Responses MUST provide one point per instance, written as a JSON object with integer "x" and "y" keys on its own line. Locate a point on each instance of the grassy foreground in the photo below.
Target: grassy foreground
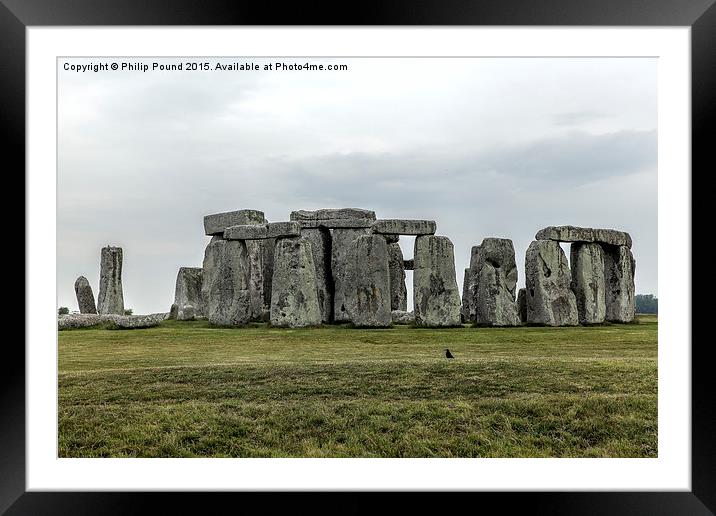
{"x": 185, "y": 389}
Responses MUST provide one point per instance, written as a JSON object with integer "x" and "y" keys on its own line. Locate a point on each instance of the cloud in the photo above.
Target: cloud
{"x": 497, "y": 147}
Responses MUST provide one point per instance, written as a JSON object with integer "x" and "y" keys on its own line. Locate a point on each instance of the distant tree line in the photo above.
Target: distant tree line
{"x": 646, "y": 304}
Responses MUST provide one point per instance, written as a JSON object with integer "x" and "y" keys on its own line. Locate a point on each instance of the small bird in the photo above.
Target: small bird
{"x": 448, "y": 354}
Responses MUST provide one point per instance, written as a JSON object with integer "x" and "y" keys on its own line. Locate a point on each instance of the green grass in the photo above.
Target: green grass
{"x": 184, "y": 389}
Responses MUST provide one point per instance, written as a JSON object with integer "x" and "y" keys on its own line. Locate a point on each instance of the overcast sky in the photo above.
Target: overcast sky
{"x": 496, "y": 147}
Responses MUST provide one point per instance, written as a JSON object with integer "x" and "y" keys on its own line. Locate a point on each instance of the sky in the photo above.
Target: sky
{"x": 486, "y": 147}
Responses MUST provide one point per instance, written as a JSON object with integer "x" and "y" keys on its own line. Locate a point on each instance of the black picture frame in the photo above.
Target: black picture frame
{"x": 700, "y": 15}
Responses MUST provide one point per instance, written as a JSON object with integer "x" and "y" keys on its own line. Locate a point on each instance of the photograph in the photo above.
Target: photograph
{"x": 357, "y": 257}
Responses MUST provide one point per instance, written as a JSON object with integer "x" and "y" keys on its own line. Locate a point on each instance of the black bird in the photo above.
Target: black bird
{"x": 448, "y": 354}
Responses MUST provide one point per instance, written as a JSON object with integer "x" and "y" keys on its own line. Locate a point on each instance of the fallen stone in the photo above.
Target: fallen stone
{"x": 294, "y": 300}
{"x": 85, "y": 296}
{"x": 320, "y": 241}
{"x": 130, "y": 322}
{"x": 619, "y": 268}
{"x": 550, "y": 300}
{"x": 404, "y": 227}
{"x": 587, "y": 264}
{"x": 402, "y": 317}
{"x": 578, "y": 234}
{"x": 111, "y": 298}
{"x": 398, "y": 291}
{"x": 437, "y": 300}
{"x": 225, "y": 286}
{"x": 341, "y": 265}
{"x": 187, "y": 292}
{"x": 369, "y": 282}
{"x": 495, "y": 279}
{"x": 72, "y": 321}
{"x": 217, "y": 223}
{"x": 522, "y": 304}
{"x": 263, "y": 231}
{"x": 408, "y": 265}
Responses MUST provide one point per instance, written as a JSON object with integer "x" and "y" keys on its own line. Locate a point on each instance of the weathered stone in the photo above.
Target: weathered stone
{"x": 225, "y": 286}
{"x": 217, "y": 223}
{"x": 435, "y": 292}
{"x": 392, "y": 239}
{"x": 85, "y": 296}
{"x": 408, "y": 265}
{"x": 340, "y": 218}
{"x": 341, "y": 265}
{"x": 72, "y": 321}
{"x": 320, "y": 240}
{"x": 332, "y": 213}
{"x": 134, "y": 321}
{"x": 259, "y": 248}
{"x": 522, "y": 304}
{"x": 260, "y": 253}
{"x": 466, "y": 298}
{"x": 294, "y": 300}
{"x": 587, "y": 264}
{"x": 263, "y": 231}
{"x": 369, "y": 282}
{"x": 173, "y": 311}
{"x": 398, "y": 292}
{"x": 578, "y": 234}
{"x": 187, "y": 292}
{"x": 402, "y": 317}
{"x": 550, "y": 300}
{"x": 469, "y": 288}
{"x": 335, "y": 223}
{"x": 496, "y": 279}
{"x": 111, "y": 299}
{"x": 404, "y": 227}
{"x": 619, "y": 268}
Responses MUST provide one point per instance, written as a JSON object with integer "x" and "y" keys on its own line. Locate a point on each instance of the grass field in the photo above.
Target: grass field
{"x": 185, "y": 389}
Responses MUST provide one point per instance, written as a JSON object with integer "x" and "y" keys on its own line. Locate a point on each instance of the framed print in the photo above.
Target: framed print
{"x": 280, "y": 211}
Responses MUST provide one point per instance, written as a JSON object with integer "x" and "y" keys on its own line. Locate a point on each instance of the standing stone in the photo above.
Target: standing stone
{"x": 111, "y": 299}
{"x": 225, "y": 285}
{"x": 587, "y": 264}
{"x": 465, "y": 306}
{"x": 260, "y": 254}
{"x": 187, "y": 293}
{"x": 294, "y": 300}
{"x": 437, "y": 300}
{"x": 550, "y": 300}
{"x": 469, "y": 288}
{"x": 369, "y": 282}
{"x": 522, "y": 304}
{"x": 85, "y": 296}
{"x": 320, "y": 240}
{"x": 341, "y": 265}
{"x": 496, "y": 280}
{"x": 398, "y": 291}
{"x": 619, "y": 268}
